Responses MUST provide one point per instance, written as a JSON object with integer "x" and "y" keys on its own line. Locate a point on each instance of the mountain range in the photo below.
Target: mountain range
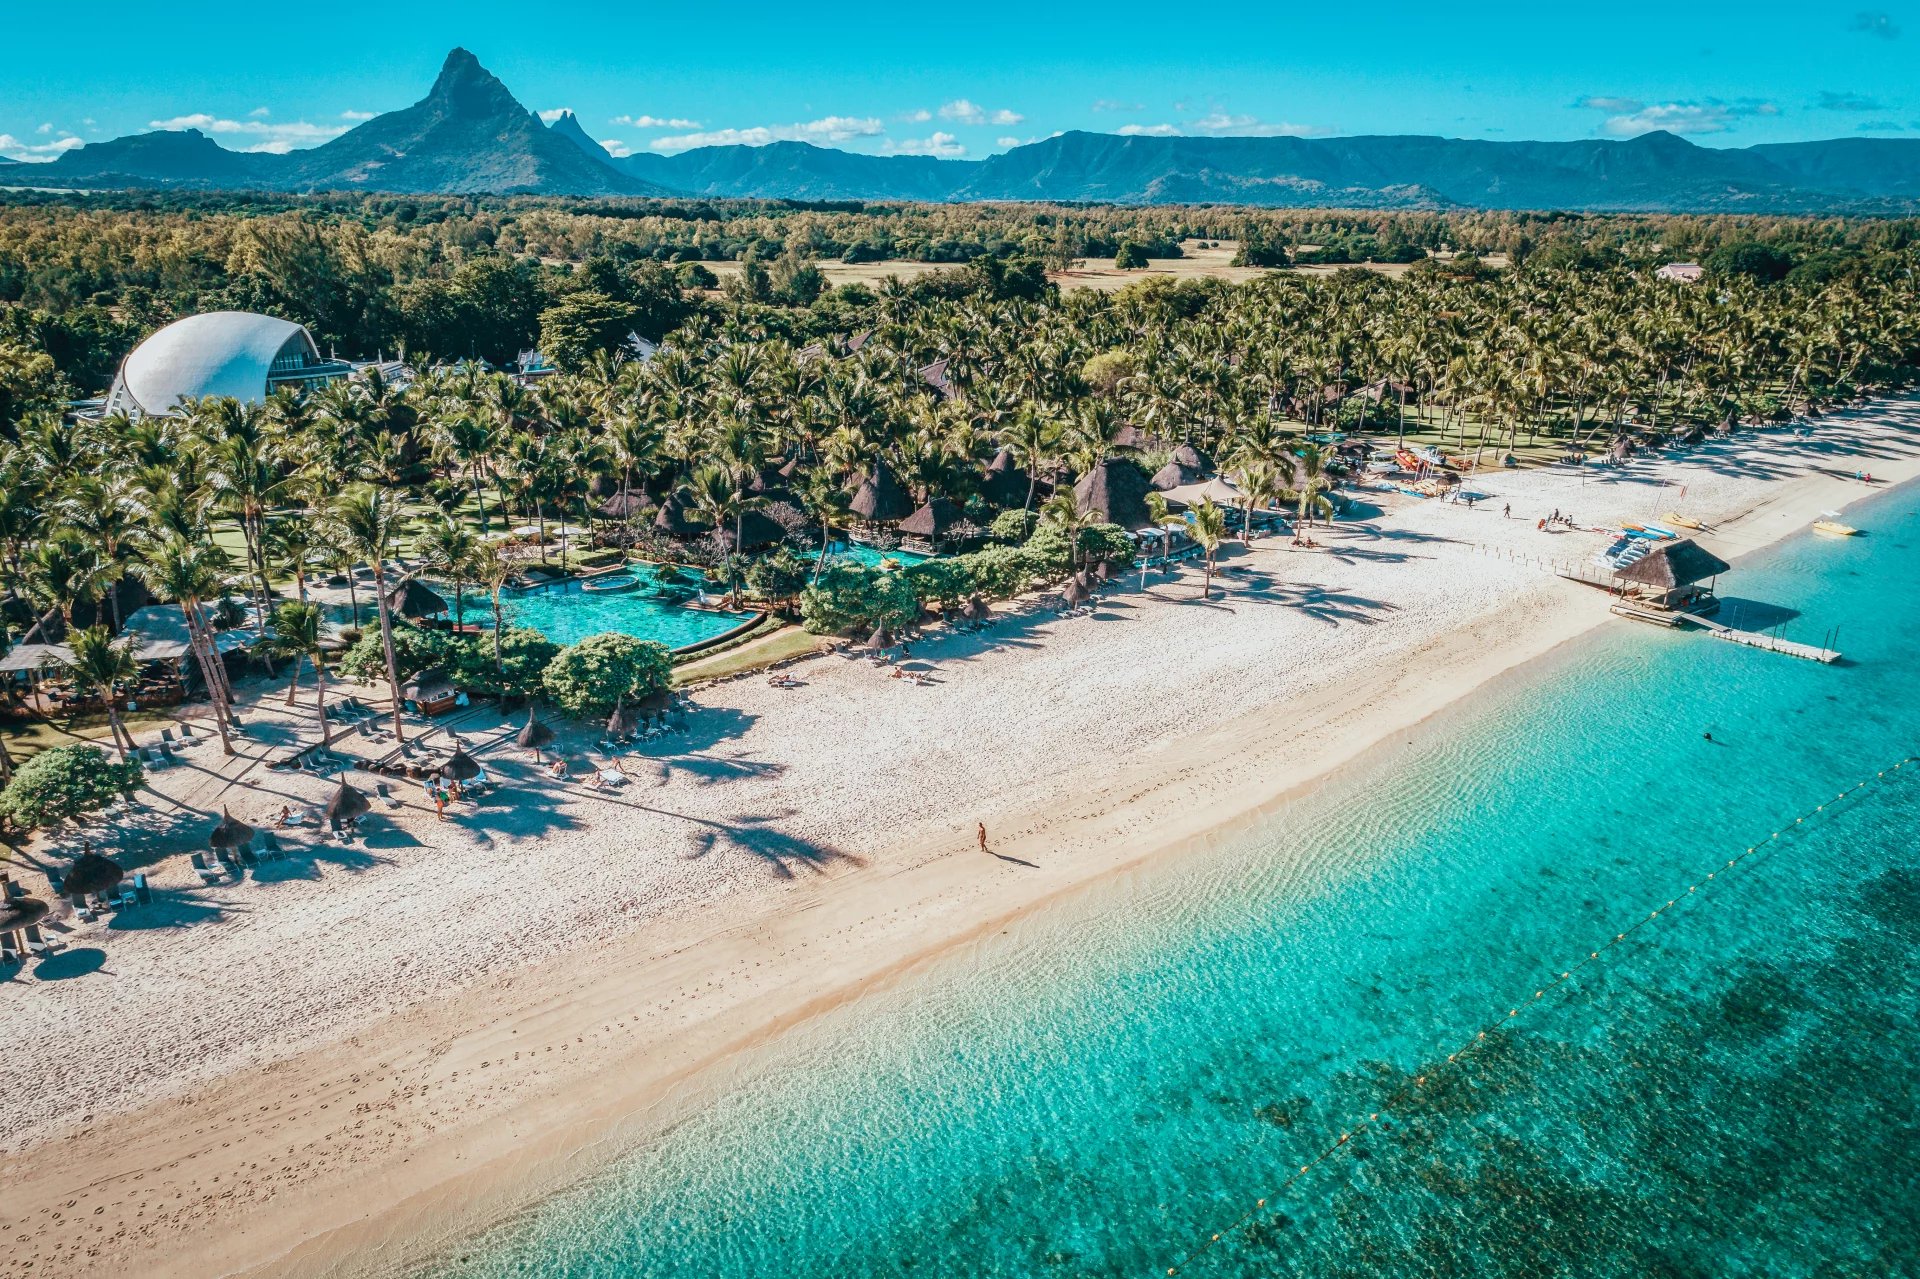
{"x": 469, "y": 135}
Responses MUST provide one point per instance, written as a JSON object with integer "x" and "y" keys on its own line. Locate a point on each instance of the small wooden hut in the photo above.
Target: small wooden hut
{"x": 1677, "y": 576}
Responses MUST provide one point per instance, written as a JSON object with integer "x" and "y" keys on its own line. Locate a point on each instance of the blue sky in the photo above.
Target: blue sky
{"x": 969, "y": 80}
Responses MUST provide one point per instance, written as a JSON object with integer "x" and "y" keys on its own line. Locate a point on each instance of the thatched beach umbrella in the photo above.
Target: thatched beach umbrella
{"x": 91, "y": 873}
{"x": 533, "y": 735}
{"x": 881, "y": 638}
{"x": 621, "y": 722}
{"x": 976, "y": 610}
{"x": 1103, "y": 570}
{"x": 657, "y": 702}
{"x": 230, "y": 833}
{"x": 1075, "y": 594}
{"x": 460, "y": 766}
{"x": 409, "y": 597}
{"x": 347, "y": 805}
{"x": 22, "y": 912}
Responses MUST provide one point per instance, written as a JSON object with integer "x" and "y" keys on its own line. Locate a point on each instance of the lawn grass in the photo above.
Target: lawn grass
{"x": 26, "y": 739}
{"x": 788, "y": 641}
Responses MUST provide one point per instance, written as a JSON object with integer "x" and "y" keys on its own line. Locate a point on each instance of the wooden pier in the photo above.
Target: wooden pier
{"x": 1757, "y": 639}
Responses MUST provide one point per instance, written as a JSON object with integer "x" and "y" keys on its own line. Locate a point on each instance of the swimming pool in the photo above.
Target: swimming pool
{"x": 567, "y": 612}
{"x": 853, "y": 553}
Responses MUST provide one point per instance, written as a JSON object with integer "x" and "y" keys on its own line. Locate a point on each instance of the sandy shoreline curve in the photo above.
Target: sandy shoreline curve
{"x": 371, "y": 1151}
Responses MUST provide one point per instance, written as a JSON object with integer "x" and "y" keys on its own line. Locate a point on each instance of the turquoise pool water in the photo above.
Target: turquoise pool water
{"x": 568, "y": 612}
{"x": 872, "y": 557}
{"x": 1099, "y": 1089}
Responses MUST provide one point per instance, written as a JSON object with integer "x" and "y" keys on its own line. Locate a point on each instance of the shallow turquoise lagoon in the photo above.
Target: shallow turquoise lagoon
{"x": 1103, "y": 1087}
{"x": 568, "y": 612}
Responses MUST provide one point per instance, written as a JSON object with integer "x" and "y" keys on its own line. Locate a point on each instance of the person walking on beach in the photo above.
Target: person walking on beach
{"x": 440, "y": 803}
{"x": 1506, "y": 512}
{"x": 981, "y": 831}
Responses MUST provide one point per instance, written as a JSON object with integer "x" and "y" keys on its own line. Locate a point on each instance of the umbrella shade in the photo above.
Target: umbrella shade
{"x": 533, "y": 735}
{"x": 92, "y": 873}
{"x": 461, "y": 766}
{"x": 20, "y": 912}
{"x": 346, "y": 805}
{"x": 230, "y": 833}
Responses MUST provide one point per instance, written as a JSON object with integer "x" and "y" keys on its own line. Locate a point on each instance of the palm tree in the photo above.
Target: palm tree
{"x": 190, "y": 574}
{"x": 369, "y": 521}
{"x": 716, "y": 498}
{"x": 1310, "y": 462}
{"x": 492, "y": 570}
{"x": 1209, "y": 528}
{"x": 297, "y": 631}
{"x": 100, "y": 666}
{"x": 446, "y": 548}
{"x": 1260, "y": 487}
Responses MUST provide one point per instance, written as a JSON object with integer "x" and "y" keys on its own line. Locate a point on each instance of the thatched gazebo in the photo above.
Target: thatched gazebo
{"x": 1671, "y": 575}
{"x": 623, "y": 506}
{"x": 934, "y": 523}
{"x": 347, "y": 805}
{"x": 230, "y": 833}
{"x": 533, "y": 735}
{"x": 91, "y": 873}
{"x": 410, "y": 597}
{"x": 755, "y": 530}
{"x": 431, "y": 691}
{"x": 880, "y": 499}
{"x": 1116, "y": 491}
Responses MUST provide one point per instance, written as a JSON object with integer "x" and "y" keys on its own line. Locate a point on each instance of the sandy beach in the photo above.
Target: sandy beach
{"x": 335, "y": 1066}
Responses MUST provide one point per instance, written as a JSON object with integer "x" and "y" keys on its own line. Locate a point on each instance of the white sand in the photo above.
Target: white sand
{"x": 779, "y": 802}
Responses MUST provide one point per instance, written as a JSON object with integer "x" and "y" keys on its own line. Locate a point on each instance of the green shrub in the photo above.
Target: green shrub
{"x": 589, "y": 677}
{"x": 524, "y": 657}
{"x": 853, "y": 595}
{"x": 65, "y": 781}
{"x": 415, "y": 649}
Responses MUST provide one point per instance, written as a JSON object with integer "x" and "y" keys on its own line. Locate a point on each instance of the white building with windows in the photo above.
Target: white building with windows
{"x": 231, "y": 353}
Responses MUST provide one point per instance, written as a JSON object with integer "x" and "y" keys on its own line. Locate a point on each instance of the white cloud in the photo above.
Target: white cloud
{"x": 1006, "y": 142}
{"x": 357, "y": 115}
{"x": 45, "y": 129}
{"x": 616, "y": 148}
{"x": 1149, "y": 130}
{"x": 654, "y": 122}
{"x": 275, "y": 138}
{"x": 1218, "y": 122}
{"x": 553, "y": 113}
{"x": 1114, "y": 104}
{"x": 1005, "y": 117}
{"x": 833, "y": 128}
{"x": 944, "y": 145}
{"x": 1630, "y": 117}
{"x": 258, "y": 113}
{"x": 961, "y": 111}
{"x": 37, "y": 152}
{"x": 917, "y": 117}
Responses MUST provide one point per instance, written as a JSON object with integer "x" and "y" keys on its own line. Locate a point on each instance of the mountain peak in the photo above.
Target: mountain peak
{"x": 567, "y": 125}
{"x": 466, "y": 88}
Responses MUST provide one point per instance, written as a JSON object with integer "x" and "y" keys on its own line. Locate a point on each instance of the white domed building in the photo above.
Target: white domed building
{"x": 232, "y": 353}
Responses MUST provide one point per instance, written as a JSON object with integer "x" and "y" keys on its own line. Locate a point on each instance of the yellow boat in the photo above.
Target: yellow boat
{"x": 1683, "y": 521}
{"x": 1831, "y": 526}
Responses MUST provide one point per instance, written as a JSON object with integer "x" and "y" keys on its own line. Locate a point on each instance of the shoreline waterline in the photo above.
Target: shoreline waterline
{"x": 885, "y": 926}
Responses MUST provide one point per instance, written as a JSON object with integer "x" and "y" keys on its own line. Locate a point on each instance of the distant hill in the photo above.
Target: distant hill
{"x": 469, "y": 135}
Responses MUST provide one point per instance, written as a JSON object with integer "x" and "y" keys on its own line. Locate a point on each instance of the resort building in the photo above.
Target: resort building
{"x": 231, "y": 353}
{"x": 1682, "y": 272}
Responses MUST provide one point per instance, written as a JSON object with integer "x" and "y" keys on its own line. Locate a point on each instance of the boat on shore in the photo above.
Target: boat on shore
{"x": 1682, "y": 521}
{"x": 1830, "y": 524}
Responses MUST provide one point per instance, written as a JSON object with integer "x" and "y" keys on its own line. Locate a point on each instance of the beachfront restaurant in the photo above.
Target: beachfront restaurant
{"x": 1678, "y": 577}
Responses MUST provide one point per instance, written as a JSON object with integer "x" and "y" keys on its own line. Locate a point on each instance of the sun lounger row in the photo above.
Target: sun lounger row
{"x": 16, "y": 944}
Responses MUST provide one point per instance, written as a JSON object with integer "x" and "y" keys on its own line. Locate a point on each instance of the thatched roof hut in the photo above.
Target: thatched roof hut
{"x": 623, "y": 506}
{"x": 429, "y": 685}
{"x": 410, "y": 597}
{"x": 230, "y": 833}
{"x": 675, "y": 517}
{"x": 1172, "y": 476}
{"x": 1192, "y": 458}
{"x": 935, "y": 520}
{"x": 756, "y": 531}
{"x": 1116, "y": 491}
{"x": 1006, "y": 482}
{"x": 880, "y": 499}
{"x": 1671, "y": 574}
{"x": 346, "y": 805}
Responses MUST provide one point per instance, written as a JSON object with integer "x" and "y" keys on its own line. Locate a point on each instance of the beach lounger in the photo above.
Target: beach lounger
{"x": 36, "y": 943}
{"x": 9, "y": 949}
{"x": 142, "y": 891}
{"x": 270, "y": 849}
{"x": 166, "y": 735}
{"x": 145, "y": 756}
{"x": 207, "y": 873}
{"x": 84, "y": 909}
{"x": 14, "y": 890}
{"x": 247, "y": 859}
